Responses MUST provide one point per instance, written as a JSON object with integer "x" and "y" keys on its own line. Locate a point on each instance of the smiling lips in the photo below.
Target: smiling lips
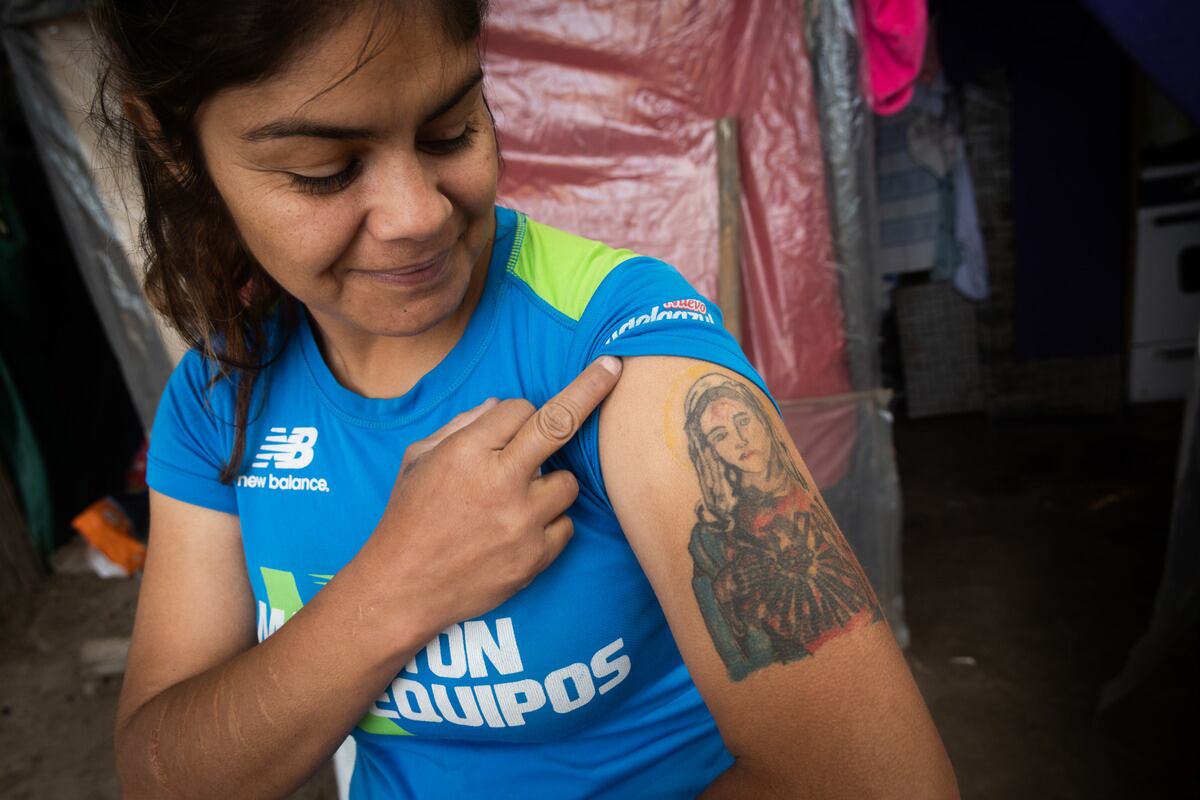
{"x": 413, "y": 274}
{"x": 747, "y": 454}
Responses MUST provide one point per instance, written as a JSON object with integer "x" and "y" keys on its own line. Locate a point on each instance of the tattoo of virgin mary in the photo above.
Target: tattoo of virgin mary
{"x": 774, "y": 578}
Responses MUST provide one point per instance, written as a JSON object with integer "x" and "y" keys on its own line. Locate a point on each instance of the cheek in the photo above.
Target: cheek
{"x": 291, "y": 234}
{"x": 470, "y": 181}
{"x": 727, "y": 450}
{"x": 757, "y": 436}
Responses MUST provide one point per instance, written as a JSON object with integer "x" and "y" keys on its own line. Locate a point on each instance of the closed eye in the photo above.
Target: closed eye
{"x": 327, "y": 184}
{"x": 445, "y": 147}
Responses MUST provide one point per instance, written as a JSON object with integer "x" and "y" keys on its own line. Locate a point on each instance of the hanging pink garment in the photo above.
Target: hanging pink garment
{"x": 605, "y": 113}
{"x": 892, "y": 35}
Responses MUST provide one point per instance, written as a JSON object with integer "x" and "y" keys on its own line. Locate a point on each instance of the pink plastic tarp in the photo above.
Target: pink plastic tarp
{"x": 606, "y": 115}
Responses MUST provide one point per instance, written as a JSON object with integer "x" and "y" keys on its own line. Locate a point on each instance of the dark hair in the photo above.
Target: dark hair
{"x": 165, "y": 58}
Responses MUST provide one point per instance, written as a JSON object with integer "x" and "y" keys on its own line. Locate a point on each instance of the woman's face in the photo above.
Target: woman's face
{"x": 371, "y": 199}
{"x": 737, "y": 434}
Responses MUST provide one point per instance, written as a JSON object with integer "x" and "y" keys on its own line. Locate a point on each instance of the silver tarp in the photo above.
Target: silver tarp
{"x": 868, "y": 500}
{"x": 53, "y": 73}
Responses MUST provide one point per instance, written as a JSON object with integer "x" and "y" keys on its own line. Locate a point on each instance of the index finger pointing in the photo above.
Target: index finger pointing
{"x": 560, "y": 418}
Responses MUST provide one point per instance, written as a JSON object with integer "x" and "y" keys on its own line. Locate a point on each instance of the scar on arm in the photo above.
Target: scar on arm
{"x": 156, "y": 766}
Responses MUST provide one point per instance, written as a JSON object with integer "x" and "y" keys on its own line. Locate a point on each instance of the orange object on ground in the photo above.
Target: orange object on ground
{"x": 107, "y": 528}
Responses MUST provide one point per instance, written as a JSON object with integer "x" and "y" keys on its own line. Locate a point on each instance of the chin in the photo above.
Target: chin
{"x": 365, "y": 307}
{"x": 411, "y": 320}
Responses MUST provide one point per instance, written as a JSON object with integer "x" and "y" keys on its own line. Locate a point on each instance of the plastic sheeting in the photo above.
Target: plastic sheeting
{"x": 55, "y": 74}
{"x": 868, "y": 499}
{"x": 606, "y": 115}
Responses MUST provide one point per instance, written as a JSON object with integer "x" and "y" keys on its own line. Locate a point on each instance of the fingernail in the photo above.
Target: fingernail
{"x": 610, "y": 363}
{"x": 491, "y": 401}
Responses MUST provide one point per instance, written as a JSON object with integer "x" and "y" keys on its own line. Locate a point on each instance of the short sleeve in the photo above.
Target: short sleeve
{"x": 644, "y": 307}
{"x": 191, "y": 438}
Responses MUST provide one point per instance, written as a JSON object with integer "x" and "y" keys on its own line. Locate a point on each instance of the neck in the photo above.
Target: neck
{"x": 381, "y": 366}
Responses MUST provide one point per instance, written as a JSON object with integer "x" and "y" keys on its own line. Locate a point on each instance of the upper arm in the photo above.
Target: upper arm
{"x": 195, "y": 606}
{"x": 774, "y": 617}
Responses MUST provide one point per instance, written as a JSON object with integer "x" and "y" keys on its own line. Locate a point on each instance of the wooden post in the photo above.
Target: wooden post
{"x": 729, "y": 197}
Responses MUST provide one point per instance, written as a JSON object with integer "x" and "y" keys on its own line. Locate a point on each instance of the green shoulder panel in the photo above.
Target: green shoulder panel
{"x": 563, "y": 269}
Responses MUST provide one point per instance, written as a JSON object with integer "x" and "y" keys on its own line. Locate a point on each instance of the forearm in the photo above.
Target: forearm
{"x": 261, "y": 723}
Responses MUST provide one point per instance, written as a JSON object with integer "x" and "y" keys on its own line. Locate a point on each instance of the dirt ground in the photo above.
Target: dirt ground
{"x": 1032, "y": 552}
{"x": 1034, "y": 549}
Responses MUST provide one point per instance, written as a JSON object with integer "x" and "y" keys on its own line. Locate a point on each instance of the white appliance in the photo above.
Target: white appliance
{"x": 1166, "y": 290}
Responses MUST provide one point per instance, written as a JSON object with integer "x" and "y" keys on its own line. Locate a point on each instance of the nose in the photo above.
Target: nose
{"x": 406, "y": 202}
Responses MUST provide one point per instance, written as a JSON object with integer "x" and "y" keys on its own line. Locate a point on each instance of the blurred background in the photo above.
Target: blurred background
{"x": 960, "y": 240}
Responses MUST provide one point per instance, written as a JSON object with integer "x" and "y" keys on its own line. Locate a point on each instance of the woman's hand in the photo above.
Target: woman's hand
{"x": 470, "y": 520}
{"x": 205, "y": 714}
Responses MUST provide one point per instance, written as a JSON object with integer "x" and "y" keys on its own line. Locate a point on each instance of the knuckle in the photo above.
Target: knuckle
{"x": 570, "y": 484}
{"x": 510, "y": 473}
{"x": 454, "y": 446}
{"x": 519, "y": 405}
{"x": 459, "y": 420}
{"x": 557, "y": 420}
{"x": 523, "y": 566}
{"x": 511, "y": 525}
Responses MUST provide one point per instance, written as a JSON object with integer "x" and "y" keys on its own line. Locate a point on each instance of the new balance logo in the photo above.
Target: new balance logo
{"x": 287, "y": 451}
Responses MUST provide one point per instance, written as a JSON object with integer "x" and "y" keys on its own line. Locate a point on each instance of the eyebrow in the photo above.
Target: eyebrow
{"x": 285, "y": 128}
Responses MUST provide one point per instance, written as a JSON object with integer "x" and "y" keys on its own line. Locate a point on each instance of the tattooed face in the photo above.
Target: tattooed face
{"x": 737, "y": 435}
{"x": 732, "y": 445}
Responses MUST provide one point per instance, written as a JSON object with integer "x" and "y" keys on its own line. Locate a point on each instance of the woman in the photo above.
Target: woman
{"x": 321, "y": 226}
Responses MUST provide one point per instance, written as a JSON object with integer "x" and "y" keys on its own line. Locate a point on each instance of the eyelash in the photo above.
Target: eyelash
{"x": 330, "y": 184}
{"x": 327, "y": 184}
{"x": 445, "y": 147}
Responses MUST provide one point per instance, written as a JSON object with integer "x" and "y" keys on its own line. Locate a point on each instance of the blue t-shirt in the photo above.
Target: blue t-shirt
{"x": 574, "y": 687}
